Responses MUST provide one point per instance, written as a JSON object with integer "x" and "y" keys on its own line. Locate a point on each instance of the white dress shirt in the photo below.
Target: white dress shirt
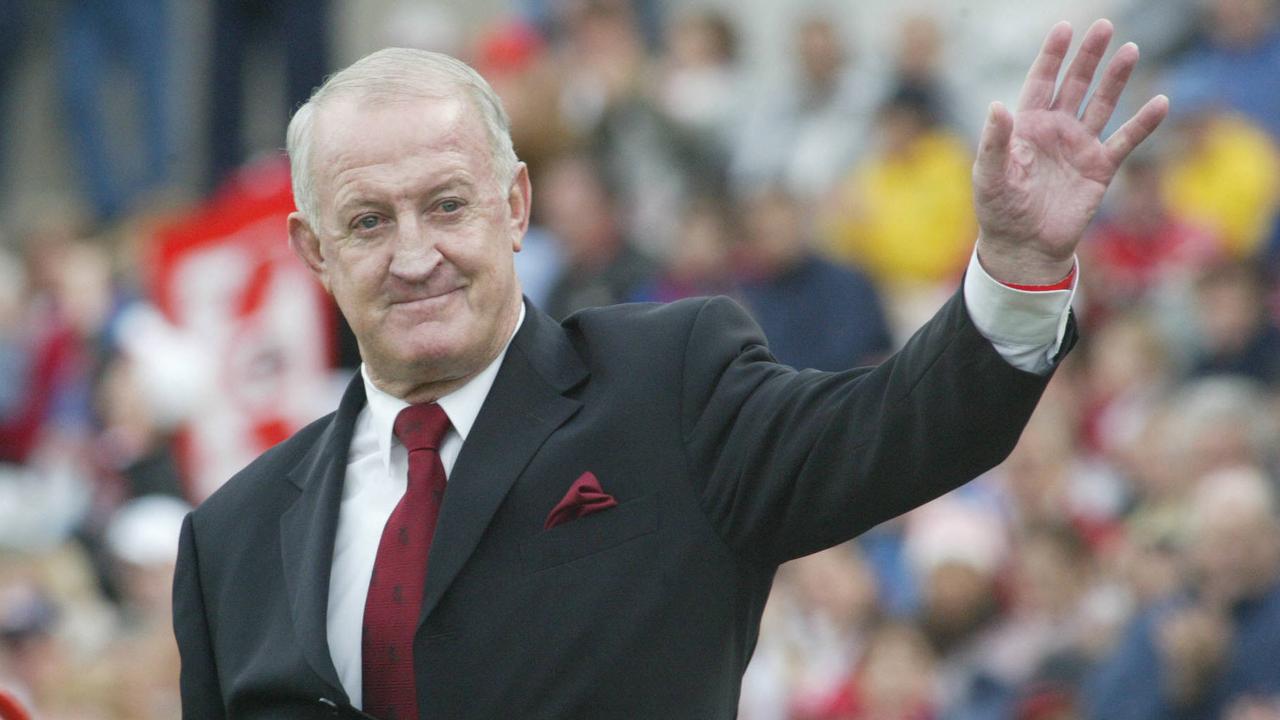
{"x": 377, "y": 475}
{"x": 1026, "y": 327}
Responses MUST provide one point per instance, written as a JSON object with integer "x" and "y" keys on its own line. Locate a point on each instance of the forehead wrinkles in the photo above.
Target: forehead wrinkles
{"x": 357, "y": 133}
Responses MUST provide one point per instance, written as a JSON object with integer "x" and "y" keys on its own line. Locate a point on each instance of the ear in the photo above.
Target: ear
{"x": 519, "y": 202}
{"x": 305, "y": 243}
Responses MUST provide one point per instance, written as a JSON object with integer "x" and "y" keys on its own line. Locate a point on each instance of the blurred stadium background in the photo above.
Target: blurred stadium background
{"x": 808, "y": 158}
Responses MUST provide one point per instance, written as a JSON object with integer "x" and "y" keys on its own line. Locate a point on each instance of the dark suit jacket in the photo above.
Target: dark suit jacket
{"x": 724, "y": 465}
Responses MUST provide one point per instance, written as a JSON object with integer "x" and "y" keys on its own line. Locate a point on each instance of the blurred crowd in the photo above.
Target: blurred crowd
{"x": 1124, "y": 562}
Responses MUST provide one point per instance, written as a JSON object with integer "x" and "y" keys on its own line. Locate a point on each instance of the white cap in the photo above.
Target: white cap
{"x": 145, "y": 530}
{"x": 954, "y": 531}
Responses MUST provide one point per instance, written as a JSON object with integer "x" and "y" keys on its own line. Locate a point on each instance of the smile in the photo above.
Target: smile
{"x": 428, "y": 303}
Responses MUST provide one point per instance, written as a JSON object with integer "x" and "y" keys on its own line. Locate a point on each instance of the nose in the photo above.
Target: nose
{"x": 414, "y": 254}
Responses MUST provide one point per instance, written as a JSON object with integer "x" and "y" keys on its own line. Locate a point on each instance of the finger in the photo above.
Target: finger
{"x": 1080, "y": 73}
{"x": 1042, "y": 78}
{"x": 1138, "y": 128}
{"x": 1098, "y": 112}
{"x": 993, "y": 147}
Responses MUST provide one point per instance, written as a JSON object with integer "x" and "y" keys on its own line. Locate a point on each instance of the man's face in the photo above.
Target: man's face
{"x": 576, "y": 208}
{"x": 414, "y": 236}
{"x": 775, "y": 232}
{"x": 1236, "y": 551}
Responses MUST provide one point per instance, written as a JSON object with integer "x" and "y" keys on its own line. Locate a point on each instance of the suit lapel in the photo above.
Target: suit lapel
{"x": 307, "y": 531}
{"x": 524, "y": 406}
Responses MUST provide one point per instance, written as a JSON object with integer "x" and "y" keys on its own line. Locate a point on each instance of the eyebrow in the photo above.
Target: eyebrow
{"x": 456, "y": 181}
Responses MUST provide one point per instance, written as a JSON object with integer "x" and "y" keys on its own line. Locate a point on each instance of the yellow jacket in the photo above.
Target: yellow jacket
{"x": 1228, "y": 183}
{"x": 908, "y": 218}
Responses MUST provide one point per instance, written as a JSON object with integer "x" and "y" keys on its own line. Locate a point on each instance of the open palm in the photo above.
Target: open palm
{"x": 1041, "y": 173}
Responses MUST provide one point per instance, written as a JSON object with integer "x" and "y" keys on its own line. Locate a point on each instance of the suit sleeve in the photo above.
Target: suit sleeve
{"x": 201, "y": 693}
{"x": 790, "y": 462}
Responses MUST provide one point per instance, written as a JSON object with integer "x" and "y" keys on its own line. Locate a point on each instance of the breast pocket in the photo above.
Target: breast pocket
{"x": 590, "y": 535}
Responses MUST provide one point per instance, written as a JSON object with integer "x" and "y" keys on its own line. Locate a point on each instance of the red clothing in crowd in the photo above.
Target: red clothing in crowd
{"x": 1125, "y": 263}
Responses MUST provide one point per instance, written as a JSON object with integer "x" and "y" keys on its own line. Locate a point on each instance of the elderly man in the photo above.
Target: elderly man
{"x": 1213, "y": 650}
{"x": 510, "y": 515}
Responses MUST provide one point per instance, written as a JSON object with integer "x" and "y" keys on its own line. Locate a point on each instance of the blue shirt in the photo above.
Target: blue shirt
{"x": 1246, "y": 80}
{"x": 820, "y": 315}
{"x": 1129, "y": 685}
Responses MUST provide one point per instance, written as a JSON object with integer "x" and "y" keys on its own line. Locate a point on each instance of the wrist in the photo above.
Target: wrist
{"x": 1066, "y": 283}
{"x": 1028, "y": 270}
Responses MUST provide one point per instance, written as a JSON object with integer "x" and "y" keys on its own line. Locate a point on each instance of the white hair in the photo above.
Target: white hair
{"x": 1223, "y": 402}
{"x": 1234, "y": 495}
{"x": 398, "y": 73}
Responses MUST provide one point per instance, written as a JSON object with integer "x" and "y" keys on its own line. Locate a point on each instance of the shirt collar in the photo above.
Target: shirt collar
{"x": 462, "y": 405}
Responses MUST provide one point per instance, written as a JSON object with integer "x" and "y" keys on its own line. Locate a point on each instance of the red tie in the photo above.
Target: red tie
{"x": 400, "y": 569}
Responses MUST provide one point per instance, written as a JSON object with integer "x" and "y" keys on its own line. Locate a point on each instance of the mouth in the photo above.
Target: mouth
{"x": 426, "y": 303}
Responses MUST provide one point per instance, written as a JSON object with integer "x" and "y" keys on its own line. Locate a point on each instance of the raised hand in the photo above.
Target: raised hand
{"x": 1041, "y": 173}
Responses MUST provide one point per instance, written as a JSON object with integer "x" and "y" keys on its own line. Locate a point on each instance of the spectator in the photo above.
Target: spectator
{"x": 31, "y": 353}
{"x": 607, "y": 101}
{"x": 1047, "y": 481}
{"x": 1210, "y": 425}
{"x": 600, "y": 265}
{"x": 1139, "y": 248}
{"x": 700, "y": 89}
{"x": 817, "y": 637}
{"x": 135, "y": 33}
{"x": 1129, "y": 371}
{"x": 295, "y": 29}
{"x": 1219, "y": 423}
{"x": 1218, "y": 642}
{"x": 957, "y": 549}
{"x": 552, "y": 16}
{"x": 133, "y": 448}
{"x": 1047, "y": 628}
{"x": 143, "y": 543}
{"x": 906, "y": 211}
{"x": 53, "y": 341}
{"x": 806, "y": 136}
{"x": 815, "y": 313}
{"x": 894, "y": 681}
{"x": 1237, "y": 334}
{"x": 700, "y": 261}
{"x": 1234, "y": 64}
{"x": 517, "y": 63}
{"x": 30, "y": 653}
{"x": 918, "y": 63}
{"x": 1225, "y": 178}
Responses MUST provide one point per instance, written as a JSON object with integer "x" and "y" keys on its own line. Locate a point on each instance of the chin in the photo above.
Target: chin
{"x": 441, "y": 356}
{"x": 449, "y": 348}
{"x": 431, "y": 354}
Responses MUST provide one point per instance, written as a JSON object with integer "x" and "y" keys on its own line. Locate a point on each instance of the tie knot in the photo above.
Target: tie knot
{"x": 421, "y": 427}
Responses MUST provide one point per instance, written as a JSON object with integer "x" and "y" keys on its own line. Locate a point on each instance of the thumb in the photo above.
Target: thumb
{"x": 993, "y": 148}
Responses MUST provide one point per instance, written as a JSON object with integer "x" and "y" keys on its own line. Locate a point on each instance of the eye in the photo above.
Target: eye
{"x": 368, "y": 222}
{"x": 450, "y": 206}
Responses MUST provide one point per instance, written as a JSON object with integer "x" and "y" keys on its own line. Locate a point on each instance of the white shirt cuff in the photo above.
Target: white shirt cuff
{"x": 1025, "y": 326}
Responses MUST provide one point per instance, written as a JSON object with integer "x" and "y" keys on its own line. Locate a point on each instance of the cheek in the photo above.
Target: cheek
{"x": 488, "y": 263}
{"x": 356, "y": 283}
{"x": 360, "y": 269}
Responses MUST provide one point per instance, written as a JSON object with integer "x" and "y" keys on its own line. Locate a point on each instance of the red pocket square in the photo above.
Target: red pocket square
{"x": 584, "y": 498}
